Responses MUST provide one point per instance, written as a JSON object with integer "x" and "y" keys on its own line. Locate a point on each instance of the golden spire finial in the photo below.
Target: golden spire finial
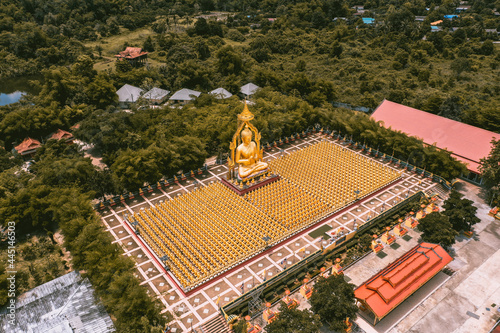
{"x": 246, "y": 115}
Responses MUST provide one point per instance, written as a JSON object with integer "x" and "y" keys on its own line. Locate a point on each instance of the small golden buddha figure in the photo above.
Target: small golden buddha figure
{"x": 247, "y": 156}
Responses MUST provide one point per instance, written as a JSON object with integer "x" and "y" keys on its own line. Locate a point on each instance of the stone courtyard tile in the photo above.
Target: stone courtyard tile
{"x": 344, "y": 218}
{"x": 129, "y": 244}
{"x": 260, "y": 264}
{"x": 120, "y": 232}
{"x": 161, "y": 284}
{"x": 112, "y": 221}
{"x": 197, "y": 299}
{"x": 172, "y": 297}
{"x": 236, "y": 278}
{"x": 217, "y": 289}
{"x": 187, "y": 321}
{"x": 372, "y": 203}
{"x": 278, "y": 258}
{"x": 297, "y": 244}
{"x": 149, "y": 269}
{"x": 139, "y": 256}
{"x": 206, "y": 310}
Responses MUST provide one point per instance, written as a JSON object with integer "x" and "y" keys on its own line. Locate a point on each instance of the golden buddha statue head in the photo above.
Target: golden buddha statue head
{"x": 246, "y": 135}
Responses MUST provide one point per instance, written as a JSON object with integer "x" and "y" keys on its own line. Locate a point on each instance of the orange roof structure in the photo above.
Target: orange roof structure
{"x": 28, "y": 146}
{"x": 395, "y": 283}
{"x": 62, "y": 135}
{"x": 131, "y": 53}
{"x": 467, "y": 143}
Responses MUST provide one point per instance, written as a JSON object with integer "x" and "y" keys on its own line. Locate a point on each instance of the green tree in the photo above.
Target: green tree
{"x": 333, "y": 300}
{"x": 460, "y": 65}
{"x": 436, "y": 228}
{"x": 460, "y": 211}
{"x": 294, "y": 321}
{"x": 133, "y": 168}
{"x": 490, "y": 171}
{"x": 228, "y": 61}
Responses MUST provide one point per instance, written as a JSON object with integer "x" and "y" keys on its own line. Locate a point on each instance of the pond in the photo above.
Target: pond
{"x": 11, "y": 89}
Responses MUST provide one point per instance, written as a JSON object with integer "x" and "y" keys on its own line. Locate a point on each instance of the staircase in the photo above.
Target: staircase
{"x": 439, "y": 190}
{"x": 216, "y": 325}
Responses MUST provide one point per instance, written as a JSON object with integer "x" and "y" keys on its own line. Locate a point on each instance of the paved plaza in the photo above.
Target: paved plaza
{"x": 199, "y": 306}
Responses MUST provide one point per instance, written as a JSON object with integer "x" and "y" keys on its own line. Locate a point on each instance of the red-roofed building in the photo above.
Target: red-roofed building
{"x": 63, "y": 135}
{"x": 134, "y": 55}
{"x": 391, "y": 286}
{"x": 467, "y": 143}
{"x": 28, "y": 147}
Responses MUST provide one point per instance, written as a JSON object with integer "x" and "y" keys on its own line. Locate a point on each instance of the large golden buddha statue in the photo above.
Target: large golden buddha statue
{"x": 248, "y": 157}
{"x": 245, "y": 152}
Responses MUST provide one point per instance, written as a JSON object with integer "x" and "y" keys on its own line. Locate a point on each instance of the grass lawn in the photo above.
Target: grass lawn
{"x": 320, "y": 232}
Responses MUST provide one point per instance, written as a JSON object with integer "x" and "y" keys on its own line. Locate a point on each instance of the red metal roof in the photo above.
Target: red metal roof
{"x": 395, "y": 283}
{"x": 467, "y": 143}
{"x": 131, "y": 53}
{"x": 27, "y": 145}
{"x": 61, "y": 134}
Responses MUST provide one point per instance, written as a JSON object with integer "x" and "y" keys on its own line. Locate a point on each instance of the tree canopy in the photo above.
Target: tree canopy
{"x": 437, "y": 228}
{"x": 333, "y": 300}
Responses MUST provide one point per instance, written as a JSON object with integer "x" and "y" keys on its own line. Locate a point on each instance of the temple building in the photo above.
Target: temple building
{"x": 383, "y": 292}
{"x": 63, "y": 135}
{"x": 467, "y": 143}
{"x": 134, "y": 55}
{"x": 27, "y": 148}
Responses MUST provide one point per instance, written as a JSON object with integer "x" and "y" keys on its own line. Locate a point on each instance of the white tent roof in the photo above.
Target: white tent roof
{"x": 129, "y": 93}
{"x": 156, "y": 93}
{"x": 221, "y": 93}
{"x": 249, "y": 89}
{"x": 184, "y": 95}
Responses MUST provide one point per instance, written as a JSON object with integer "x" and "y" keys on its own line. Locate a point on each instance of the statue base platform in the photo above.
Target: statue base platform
{"x": 242, "y": 190}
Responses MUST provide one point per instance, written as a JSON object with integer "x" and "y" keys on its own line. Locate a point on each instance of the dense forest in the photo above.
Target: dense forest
{"x": 304, "y": 54}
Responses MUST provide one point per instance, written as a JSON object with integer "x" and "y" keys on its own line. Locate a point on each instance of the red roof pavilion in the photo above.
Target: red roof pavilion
{"x": 467, "y": 143}
{"x": 62, "y": 135}
{"x": 391, "y": 286}
{"x": 132, "y": 53}
{"x": 27, "y": 147}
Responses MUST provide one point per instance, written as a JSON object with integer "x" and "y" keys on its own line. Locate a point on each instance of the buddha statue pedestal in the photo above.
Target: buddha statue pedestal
{"x": 243, "y": 187}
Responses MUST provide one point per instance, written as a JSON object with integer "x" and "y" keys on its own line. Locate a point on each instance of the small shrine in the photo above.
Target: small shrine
{"x": 269, "y": 315}
{"x": 387, "y": 237}
{"x": 411, "y": 222}
{"x": 291, "y": 303}
{"x": 252, "y": 328}
{"x": 247, "y": 169}
{"x": 306, "y": 290}
{"x": 399, "y": 230}
{"x": 337, "y": 269}
{"x": 376, "y": 244}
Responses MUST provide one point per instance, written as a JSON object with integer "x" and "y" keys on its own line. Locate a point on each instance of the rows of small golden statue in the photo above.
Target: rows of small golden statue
{"x": 410, "y": 221}
{"x": 333, "y": 173}
{"x": 206, "y": 231}
{"x": 306, "y": 290}
{"x": 287, "y": 204}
